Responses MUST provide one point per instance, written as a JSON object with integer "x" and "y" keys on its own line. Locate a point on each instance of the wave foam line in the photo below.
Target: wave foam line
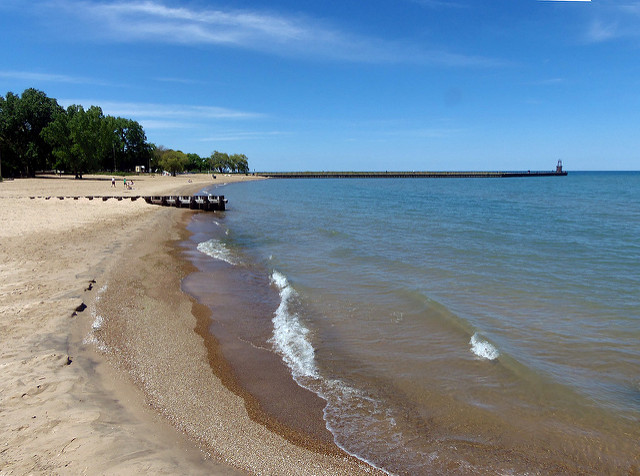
{"x": 290, "y": 335}
{"x": 217, "y": 249}
{"x": 290, "y": 338}
{"x": 98, "y": 322}
{"x": 482, "y": 348}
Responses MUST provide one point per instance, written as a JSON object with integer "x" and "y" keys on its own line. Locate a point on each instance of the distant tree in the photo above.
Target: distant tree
{"x": 80, "y": 139}
{"x": 196, "y": 163}
{"x": 157, "y": 151}
{"x": 58, "y": 135}
{"x": 239, "y": 163}
{"x": 219, "y": 161}
{"x": 128, "y": 145}
{"x": 131, "y": 143}
{"x": 222, "y": 162}
{"x": 173, "y": 161}
{"x": 76, "y": 139}
{"x": 22, "y": 120}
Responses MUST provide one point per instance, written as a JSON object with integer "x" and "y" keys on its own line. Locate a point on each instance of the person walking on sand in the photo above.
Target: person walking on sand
{"x": 125, "y": 182}
{"x": 113, "y": 181}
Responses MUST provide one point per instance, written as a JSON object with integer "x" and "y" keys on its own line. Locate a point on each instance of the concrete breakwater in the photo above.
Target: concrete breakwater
{"x": 299, "y": 175}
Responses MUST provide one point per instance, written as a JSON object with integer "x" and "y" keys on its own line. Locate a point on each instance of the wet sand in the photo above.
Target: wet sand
{"x": 238, "y": 306}
{"x": 68, "y": 408}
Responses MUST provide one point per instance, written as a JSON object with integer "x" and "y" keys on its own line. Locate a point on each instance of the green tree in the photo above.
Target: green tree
{"x": 173, "y": 161}
{"x": 80, "y": 139}
{"x": 196, "y": 163}
{"x": 22, "y": 120}
{"x": 156, "y": 152}
{"x": 131, "y": 143}
{"x": 57, "y": 134}
{"x": 219, "y": 161}
{"x": 239, "y": 163}
{"x": 128, "y": 145}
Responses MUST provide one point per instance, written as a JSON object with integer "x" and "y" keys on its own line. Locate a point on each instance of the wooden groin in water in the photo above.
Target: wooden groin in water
{"x": 208, "y": 203}
{"x": 194, "y": 202}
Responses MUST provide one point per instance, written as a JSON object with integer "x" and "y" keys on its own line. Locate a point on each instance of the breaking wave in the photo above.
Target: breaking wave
{"x": 218, "y": 250}
{"x": 290, "y": 336}
{"x": 482, "y": 348}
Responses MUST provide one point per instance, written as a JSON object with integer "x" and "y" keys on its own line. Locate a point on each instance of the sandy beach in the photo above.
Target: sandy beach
{"x": 76, "y": 274}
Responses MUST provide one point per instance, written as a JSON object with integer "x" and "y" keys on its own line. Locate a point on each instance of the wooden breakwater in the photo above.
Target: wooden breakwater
{"x": 193, "y": 202}
{"x": 342, "y": 175}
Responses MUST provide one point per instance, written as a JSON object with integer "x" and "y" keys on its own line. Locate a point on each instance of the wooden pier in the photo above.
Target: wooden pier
{"x": 207, "y": 203}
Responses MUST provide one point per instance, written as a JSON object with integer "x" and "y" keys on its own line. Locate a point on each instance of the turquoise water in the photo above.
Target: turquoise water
{"x": 455, "y": 325}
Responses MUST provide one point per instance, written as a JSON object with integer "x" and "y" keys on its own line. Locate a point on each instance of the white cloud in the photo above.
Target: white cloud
{"x": 152, "y": 110}
{"x": 152, "y": 124}
{"x": 180, "y": 80}
{"x": 230, "y": 136}
{"x": 286, "y": 35}
{"x": 614, "y": 21}
{"x": 548, "y": 82}
{"x": 599, "y": 32}
{"x": 48, "y": 78}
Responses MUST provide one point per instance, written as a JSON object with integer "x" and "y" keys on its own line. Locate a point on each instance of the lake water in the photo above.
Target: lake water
{"x": 451, "y": 325}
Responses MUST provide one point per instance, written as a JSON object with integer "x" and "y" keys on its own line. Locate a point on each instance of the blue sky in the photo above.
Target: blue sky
{"x": 347, "y": 85}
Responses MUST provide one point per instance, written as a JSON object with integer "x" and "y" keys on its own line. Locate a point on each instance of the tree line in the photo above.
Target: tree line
{"x": 177, "y": 161}
{"x": 38, "y": 134}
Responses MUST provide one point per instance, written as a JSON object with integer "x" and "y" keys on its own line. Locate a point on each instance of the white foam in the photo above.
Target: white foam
{"x": 290, "y": 336}
{"x": 91, "y": 339}
{"x": 217, "y": 250}
{"x": 96, "y": 325}
{"x": 97, "y": 322}
{"x": 345, "y": 404}
{"x": 482, "y": 348}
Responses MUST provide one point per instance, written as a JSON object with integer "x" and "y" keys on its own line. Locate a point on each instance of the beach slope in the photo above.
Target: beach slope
{"x": 68, "y": 406}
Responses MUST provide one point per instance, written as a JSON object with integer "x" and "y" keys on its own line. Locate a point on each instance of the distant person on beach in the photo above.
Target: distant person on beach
{"x": 113, "y": 181}
{"x": 125, "y": 182}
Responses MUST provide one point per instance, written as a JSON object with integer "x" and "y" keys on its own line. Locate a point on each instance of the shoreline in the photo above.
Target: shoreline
{"x": 65, "y": 409}
{"x": 234, "y": 307}
{"x": 173, "y": 365}
{"x": 255, "y": 406}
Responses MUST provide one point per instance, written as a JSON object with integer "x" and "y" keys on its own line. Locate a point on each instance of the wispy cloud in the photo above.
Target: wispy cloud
{"x": 611, "y": 21}
{"x": 548, "y": 82}
{"x": 599, "y": 31}
{"x": 49, "y": 78}
{"x": 231, "y": 136}
{"x": 157, "y": 125}
{"x": 152, "y": 110}
{"x": 179, "y": 80}
{"x": 274, "y": 33}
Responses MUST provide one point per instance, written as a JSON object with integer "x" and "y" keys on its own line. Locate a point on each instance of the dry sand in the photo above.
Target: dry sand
{"x": 67, "y": 407}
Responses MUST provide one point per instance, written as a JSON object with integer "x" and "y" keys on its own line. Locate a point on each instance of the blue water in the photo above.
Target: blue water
{"x": 456, "y": 325}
